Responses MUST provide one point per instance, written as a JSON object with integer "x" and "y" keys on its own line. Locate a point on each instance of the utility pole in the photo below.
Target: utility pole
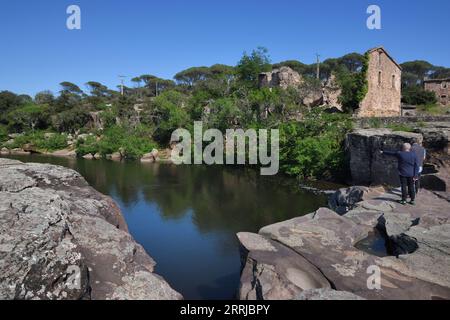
{"x": 318, "y": 66}
{"x": 122, "y": 85}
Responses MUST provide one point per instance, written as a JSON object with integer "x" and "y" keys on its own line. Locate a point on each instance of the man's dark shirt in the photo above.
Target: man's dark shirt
{"x": 408, "y": 164}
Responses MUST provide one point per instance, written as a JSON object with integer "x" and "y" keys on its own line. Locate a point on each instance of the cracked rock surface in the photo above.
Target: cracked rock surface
{"x": 321, "y": 247}
{"x": 61, "y": 239}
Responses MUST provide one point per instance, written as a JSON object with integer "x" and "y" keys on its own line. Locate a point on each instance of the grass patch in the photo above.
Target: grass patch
{"x": 433, "y": 110}
{"x": 400, "y": 127}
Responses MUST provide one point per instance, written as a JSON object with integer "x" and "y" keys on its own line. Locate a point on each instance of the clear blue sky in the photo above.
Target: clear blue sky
{"x": 137, "y": 37}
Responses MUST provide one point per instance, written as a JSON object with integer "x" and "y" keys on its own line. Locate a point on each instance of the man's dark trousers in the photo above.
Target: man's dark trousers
{"x": 417, "y": 184}
{"x": 408, "y": 187}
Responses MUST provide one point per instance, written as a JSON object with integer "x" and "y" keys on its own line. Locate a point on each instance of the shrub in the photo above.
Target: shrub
{"x": 171, "y": 114}
{"x": 416, "y": 95}
{"x": 133, "y": 143}
{"x": 71, "y": 120}
{"x": 433, "y": 109}
{"x": 28, "y": 117}
{"x": 87, "y": 146}
{"x": 3, "y": 134}
{"x": 400, "y": 127}
{"x": 55, "y": 142}
{"x": 40, "y": 142}
{"x": 314, "y": 148}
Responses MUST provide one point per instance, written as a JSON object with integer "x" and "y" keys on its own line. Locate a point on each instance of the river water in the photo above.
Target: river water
{"x": 187, "y": 217}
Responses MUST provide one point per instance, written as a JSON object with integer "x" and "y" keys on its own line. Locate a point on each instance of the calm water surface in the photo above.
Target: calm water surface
{"x": 187, "y": 217}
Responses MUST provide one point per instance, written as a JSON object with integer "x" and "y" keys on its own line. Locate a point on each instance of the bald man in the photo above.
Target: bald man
{"x": 408, "y": 169}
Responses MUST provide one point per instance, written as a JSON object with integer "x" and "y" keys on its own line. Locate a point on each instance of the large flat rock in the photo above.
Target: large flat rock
{"x": 367, "y": 165}
{"x": 61, "y": 239}
{"x": 417, "y": 239}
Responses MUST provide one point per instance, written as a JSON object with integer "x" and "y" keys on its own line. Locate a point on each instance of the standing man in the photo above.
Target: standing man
{"x": 421, "y": 154}
{"x": 408, "y": 169}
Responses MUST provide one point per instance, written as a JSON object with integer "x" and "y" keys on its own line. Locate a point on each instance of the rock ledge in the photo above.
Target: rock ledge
{"x": 61, "y": 239}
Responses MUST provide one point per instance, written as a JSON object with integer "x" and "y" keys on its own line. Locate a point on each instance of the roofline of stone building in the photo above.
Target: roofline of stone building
{"x": 389, "y": 56}
{"x": 436, "y": 80}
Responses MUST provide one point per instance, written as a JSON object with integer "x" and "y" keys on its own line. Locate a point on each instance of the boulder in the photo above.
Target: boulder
{"x": 95, "y": 121}
{"x": 327, "y": 294}
{"x": 28, "y": 147}
{"x": 4, "y": 151}
{"x": 314, "y": 98}
{"x": 19, "y": 152}
{"x": 64, "y": 153}
{"x": 367, "y": 165}
{"x": 151, "y": 157}
{"x": 435, "y": 182}
{"x": 435, "y": 138}
{"x": 116, "y": 156}
{"x": 417, "y": 240}
{"x": 88, "y": 157}
{"x": 345, "y": 199}
{"x": 274, "y": 272}
{"x": 60, "y": 239}
{"x": 148, "y": 158}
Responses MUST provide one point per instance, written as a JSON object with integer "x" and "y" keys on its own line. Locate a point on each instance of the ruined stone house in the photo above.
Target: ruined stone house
{"x": 384, "y": 96}
{"x": 283, "y": 77}
{"x": 441, "y": 87}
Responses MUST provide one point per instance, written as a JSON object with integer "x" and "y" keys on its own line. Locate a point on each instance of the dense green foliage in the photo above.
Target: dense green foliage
{"x": 40, "y": 141}
{"x": 132, "y": 144}
{"x": 416, "y": 95}
{"x": 354, "y": 84}
{"x": 314, "y": 148}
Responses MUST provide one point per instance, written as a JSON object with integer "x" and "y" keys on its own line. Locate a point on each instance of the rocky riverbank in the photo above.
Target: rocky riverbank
{"x": 369, "y": 167}
{"x": 317, "y": 256}
{"x": 61, "y": 239}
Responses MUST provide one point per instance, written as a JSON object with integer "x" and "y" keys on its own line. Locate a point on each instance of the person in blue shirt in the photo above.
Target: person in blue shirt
{"x": 408, "y": 169}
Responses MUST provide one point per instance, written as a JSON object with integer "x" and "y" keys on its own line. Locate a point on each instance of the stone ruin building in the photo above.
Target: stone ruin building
{"x": 283, "y": 77}
{"x": 383, "y": 98}
{"x": 384, "y": 77}
{"x": 441, "y": 87}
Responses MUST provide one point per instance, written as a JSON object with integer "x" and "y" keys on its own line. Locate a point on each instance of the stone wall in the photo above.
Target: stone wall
{"x": 283, "y": 77}
{"x": 384, "y": 79}
{"x": 441, "y": 88}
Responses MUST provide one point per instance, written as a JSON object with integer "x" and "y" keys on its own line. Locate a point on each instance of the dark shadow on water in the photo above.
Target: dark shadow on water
{"x": 375, "y": 244}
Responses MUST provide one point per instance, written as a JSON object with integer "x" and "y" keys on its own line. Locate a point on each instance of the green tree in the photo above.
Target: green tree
{"x": 171, "y": 114}
{"x": 250, "y": 66}
{"x": 8, "y": 101}
{"x": 191, "y": 76}
{"x": 28, "y": 117}
{"x": 71, "y": 120}
{"x": 70, "y": 88}
{"x": 416, "y": 95}
{"x": 414, "y": 72}
{"x": 97, "y": 89}
{"x": 44, "y": 97}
